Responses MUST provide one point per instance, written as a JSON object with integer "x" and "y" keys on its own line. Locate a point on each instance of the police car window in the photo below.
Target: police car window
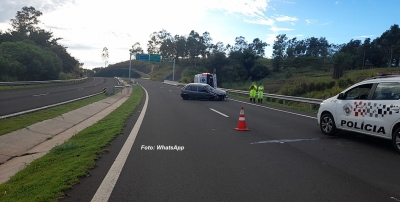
{"x": 387, "y": 91}
{"x": 202, "y": 89}
{"x": 359, "y": 93}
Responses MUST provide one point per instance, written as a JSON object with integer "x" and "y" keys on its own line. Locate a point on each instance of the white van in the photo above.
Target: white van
{"x": 369, "y": 107}
{"x": 210, "y": 79}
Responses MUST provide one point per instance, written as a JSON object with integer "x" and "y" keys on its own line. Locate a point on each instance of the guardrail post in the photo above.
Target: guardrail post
{"x": 284, "y": 101}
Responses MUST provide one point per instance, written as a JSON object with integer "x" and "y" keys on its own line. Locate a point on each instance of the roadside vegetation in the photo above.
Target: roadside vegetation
{"x": 46, "y": 178}
{"x": 310, "y": 67}
{"x": 29, "y": 53}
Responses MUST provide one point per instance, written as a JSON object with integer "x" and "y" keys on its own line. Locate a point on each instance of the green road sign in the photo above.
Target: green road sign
{"x": 144, "y": 57}
{"x": 155, "y": 58}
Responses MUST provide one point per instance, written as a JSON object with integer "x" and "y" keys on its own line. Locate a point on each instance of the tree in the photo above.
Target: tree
{"x": 279, "y": 47}
{"x": 153, "y": 45}
{"x": 207, "y": 42}
{"x": 279, "y": 51}
{"x": 218, "y": 48}
{"x": 240, "y": 44}
{"x": 341, "y": 62}
{"x": 217, "y": 61}
{"x": 291, "y": 47}
{"x": 389, "y": 42}
{"x": 25, "y": 20}
{"x": 105, "y": 56}
{"x": 168, "y": 48}
{"x": 181, "y": 50}
{"x": 69, "y": 63}
{"x": 136, "y": 49}
{"x": 23, "y": 60}
{"x": 258, "y": 47}
{"x": 259, "y": 71}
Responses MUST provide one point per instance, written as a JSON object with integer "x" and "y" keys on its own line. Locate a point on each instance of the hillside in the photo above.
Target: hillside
{"x": 305, "y": 82}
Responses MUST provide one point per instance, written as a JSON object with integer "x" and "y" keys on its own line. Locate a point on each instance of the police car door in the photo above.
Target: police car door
{"x": 383, "y": 109}
{"x": 350, "y": 108}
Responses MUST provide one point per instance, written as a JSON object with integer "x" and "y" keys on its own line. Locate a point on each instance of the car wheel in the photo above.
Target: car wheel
{"x": 396, "y": 140}
{"x": 221, "y": 98}
{"x": 327, "y": 124}
{"x": 185, "y": 97}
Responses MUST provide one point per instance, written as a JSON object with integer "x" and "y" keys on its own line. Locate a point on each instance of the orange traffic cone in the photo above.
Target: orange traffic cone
{"x": 242, "y": 122}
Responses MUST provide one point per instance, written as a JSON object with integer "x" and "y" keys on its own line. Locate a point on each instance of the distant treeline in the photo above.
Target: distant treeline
{"x": 240, "y": 62}
{"x": 30, "y": 53}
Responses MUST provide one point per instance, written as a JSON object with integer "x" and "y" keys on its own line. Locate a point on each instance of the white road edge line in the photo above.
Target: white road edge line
{"x": 275, "y": 109}
{"x": 103, "y": 193}
{"x": 219, "y": 112}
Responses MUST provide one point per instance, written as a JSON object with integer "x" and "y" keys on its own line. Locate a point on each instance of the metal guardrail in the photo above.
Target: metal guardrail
{"x": 281, "y": 97}
{"x": 311, "y": 101}
{"x": 21, "y": 83}
{"x": 47, "y": 107}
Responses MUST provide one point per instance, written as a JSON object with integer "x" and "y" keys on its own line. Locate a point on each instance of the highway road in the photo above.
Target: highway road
{"x": 284, "y": 157}
{"x": 21, "y": 100}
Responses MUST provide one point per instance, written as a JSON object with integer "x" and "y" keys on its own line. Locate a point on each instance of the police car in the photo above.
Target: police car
{"x": 369, "y": 107}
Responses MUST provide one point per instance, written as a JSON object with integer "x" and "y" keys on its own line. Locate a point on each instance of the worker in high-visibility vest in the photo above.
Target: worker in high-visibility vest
{"x": 253, "y": 92}
{"x": 260, "y": 92}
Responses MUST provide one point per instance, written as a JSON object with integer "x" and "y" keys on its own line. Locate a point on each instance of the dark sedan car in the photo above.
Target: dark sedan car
{"x": 202, "y": 91}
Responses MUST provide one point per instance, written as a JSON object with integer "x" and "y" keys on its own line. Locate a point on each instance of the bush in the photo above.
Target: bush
{"x": 64, "y": 76}
{"x": 344, "y": 83}
{"x": 185, "y": 80}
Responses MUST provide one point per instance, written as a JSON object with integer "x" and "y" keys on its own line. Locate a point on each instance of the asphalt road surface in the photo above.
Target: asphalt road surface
{"x": 21, "y": 100}
{"x": 284, "y": 156}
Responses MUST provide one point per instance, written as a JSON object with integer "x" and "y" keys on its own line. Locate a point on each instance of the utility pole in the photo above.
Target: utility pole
{"x": 173, "y": 71}
{"x": 130, "y": 64}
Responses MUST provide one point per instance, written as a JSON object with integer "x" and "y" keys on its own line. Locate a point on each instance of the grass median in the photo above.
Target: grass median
{"x": 15, "y": 123}
{"x": 46, "y": 178}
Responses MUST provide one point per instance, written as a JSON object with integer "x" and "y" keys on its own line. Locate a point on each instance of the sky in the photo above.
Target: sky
{"x": 87, "y": 26}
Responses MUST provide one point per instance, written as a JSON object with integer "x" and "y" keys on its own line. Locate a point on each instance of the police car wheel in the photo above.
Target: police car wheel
{"x": 396, "y": 140}
{"x": 327, "y": 124}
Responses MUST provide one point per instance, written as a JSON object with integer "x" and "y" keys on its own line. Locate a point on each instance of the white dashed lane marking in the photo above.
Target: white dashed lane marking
{"x": 219, "y": 112}
{"x": 40, "y": 94}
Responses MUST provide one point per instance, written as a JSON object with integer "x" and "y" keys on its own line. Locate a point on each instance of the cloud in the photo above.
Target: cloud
{"x": 310, "y": 21}
{"x": 252, "y": 8}
{"x": 283, "y": 18}
{"x": 336, "y": 2}
{"x": 276, "y": 29}
{"x": 81, "y": 47}
{"x": 9, "y": 9}
{"x": 363, "y": 36}
{"x": 260, "y": 21}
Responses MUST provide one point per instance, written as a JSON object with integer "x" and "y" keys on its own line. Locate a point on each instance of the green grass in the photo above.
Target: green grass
{"x": 22, "y": 121}
{"x": 46, "y": 178}
{"x": 22, "y": 87}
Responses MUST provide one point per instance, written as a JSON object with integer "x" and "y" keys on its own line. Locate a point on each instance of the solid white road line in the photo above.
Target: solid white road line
{"x": 285, "y": 140}
{"x": 103, "y": 193}
{"x": 219, "y": 112}
{"x": 274, "y": 109}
